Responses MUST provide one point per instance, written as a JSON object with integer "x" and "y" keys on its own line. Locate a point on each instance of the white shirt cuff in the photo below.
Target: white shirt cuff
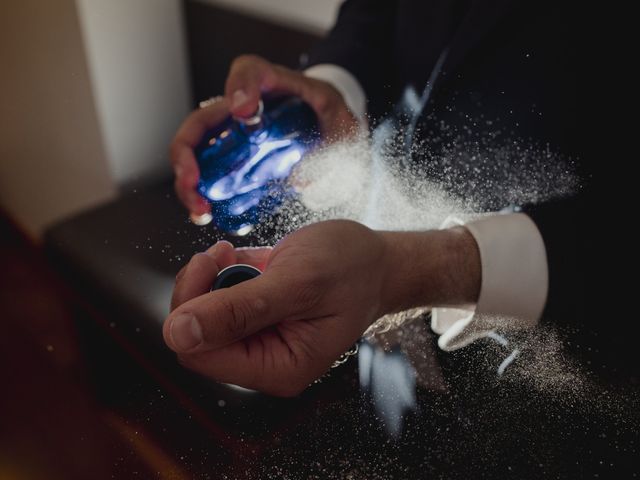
{"x": 515, "y": 281}
{"x": 345, "y": 83}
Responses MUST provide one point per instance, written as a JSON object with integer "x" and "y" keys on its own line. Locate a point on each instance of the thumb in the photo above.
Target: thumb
{"x": 224, "y": 316}
{"x": 244, "y": 85}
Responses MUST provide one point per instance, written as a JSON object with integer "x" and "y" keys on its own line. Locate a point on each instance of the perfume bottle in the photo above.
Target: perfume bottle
{"x": 244, "y": 163}
{"x": 233, "y": 275}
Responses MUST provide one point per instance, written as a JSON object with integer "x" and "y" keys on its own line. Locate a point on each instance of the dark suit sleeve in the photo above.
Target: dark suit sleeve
{"x": 360, "y": 43}
{"x": 585, "y": 257}
{"x": 562, "y": 225}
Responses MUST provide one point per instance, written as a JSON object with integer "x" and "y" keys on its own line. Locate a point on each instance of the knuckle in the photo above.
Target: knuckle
{"x": 237, "y": 319}
{"x": 325, "y": 98}
{"x": 177, "y": 296}
{"x": 181, "y": 273}
{"x": 203, "y": 117}
{"x": 165, "y": 329}
{"x": 200, "y": 262}
{"x": 186, "y": 125}
{"x": 247, "y": 58}
{"x": 322, "y": 103}
{"x": 176, "y": 301}
{"x": 189, "y": 125}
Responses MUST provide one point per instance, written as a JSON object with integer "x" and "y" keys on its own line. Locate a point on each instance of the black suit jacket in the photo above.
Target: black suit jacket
{"x": 513, "y": 81}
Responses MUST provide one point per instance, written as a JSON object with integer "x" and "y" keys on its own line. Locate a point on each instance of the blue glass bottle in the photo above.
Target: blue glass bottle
{"x": 244, "y": 163}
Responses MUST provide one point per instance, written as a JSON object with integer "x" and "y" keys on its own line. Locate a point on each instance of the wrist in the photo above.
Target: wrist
{"x": 435, "y": 268}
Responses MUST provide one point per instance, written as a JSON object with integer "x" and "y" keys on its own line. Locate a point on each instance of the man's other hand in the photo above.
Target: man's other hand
{"x": 249, "y": 78}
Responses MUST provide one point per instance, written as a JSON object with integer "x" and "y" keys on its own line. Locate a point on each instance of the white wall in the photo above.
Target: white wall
{"x": 52, "y": 161}
{"x": 313, "y": 16}
{"x": 137, "y": 60}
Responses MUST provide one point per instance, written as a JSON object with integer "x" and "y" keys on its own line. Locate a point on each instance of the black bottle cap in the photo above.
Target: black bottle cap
{"x": 234, "y": 274}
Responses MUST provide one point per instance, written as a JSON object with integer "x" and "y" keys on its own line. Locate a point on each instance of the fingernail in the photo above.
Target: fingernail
{"x": 219, "y": 244}
{"x": 200, "y": 219}
{"x": 185, "y": 331}
{"x": 238, "y": 99}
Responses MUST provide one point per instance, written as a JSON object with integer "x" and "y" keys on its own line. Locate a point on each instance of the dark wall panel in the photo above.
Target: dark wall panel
{"x": 216, "y": 36}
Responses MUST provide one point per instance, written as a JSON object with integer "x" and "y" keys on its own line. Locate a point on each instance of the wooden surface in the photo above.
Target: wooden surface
{"x": 51, "y": 425}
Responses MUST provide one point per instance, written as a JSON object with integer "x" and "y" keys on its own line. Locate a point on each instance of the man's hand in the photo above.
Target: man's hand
{"x": 321, "y": 287}
{"x": 250, "y": 77}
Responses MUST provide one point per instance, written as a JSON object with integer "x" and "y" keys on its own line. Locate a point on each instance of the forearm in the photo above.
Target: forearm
{"x": 434, "y": 268}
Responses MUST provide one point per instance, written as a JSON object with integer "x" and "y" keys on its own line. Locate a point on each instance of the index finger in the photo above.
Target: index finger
{"x": 199, "y": 274}
{"x": 255, "y": 256}
{"x": 198, "y": 121}
{"x": 183, "y": 158}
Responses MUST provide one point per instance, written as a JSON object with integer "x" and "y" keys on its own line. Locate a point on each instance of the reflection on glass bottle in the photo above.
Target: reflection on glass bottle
{"x": 244, "y": 163}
